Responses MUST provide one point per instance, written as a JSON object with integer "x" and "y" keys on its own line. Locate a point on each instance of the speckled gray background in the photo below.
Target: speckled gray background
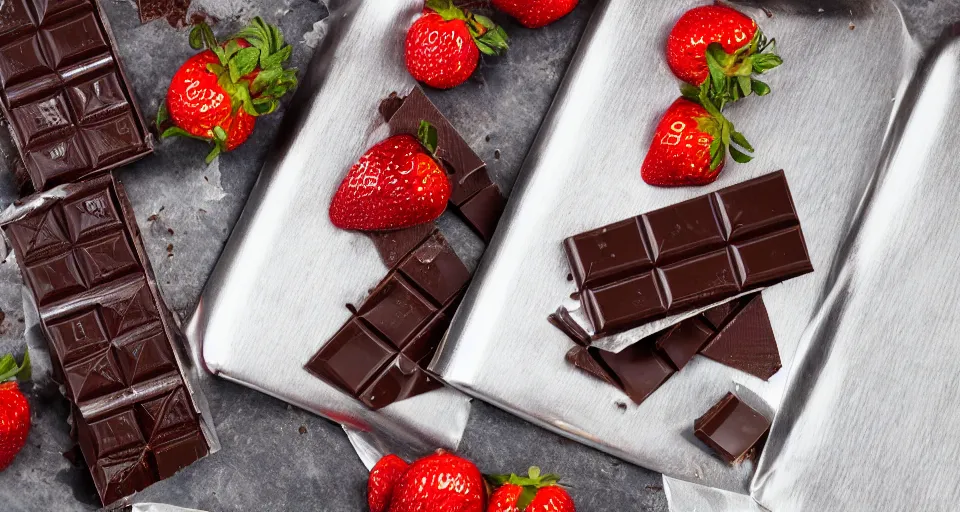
{"x": 275, "y": 457}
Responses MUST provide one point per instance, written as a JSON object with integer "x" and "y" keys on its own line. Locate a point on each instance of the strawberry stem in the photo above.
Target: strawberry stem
{"x": 489, "y": 37}
{"x": 725, "y": 136}
{"x": 731, "y": 74}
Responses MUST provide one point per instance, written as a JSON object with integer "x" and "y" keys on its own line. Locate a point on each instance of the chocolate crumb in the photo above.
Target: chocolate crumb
{"x": 569, "y": 277}
{"x": 622, "y": 406}
{"x": 170, "y": 230}
{"x": 496, "y": 154}
{"x": 201, "y": 210}
{"x": 487, "y": 138}
{"x": 206, "y": 178}
{"x": 153, "y": 218}
{"x": 768, "y": 12}
{"x": 655, "y": 487}
{"x": 303, "y": 429}
{"x": 852, "y": 26}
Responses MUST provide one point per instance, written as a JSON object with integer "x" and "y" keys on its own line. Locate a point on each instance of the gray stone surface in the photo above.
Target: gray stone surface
{"x": 276, "y": 457}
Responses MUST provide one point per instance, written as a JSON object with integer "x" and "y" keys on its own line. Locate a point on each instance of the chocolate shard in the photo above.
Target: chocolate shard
{"x": 451, "y": 148}
{"x": 175, "y": 11}
{"x": 688, "y": 255}
{"x": 746, "y": 342}
{"x": 638, "y": 368}
{"x": 583, "y": 359}
{"x": 717, "y": 315}
{"x": 682, "y": 341}
{"x": 563, "y": 321}
{"x": 732, "y": 429}
{"x": 379, "y": 357}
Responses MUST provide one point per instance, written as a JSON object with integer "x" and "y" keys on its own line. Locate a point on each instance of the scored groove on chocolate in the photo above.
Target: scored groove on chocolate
{"x": 688, "y": 255}
{"x": 71, "y": 111}
{"x": 110, "y": 339}
{"x": 380, "y": 354}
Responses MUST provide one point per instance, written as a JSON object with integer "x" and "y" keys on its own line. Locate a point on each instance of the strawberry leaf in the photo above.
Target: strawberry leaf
{"x": 760, "y": 88}
{"x": 498, "y": 480}
{"x": 717, "y": 153}
{"x": 266, "y": 78}
{"x": 526, "y": 497}
{"x": 196, "y": 37}
{"x": 745, "y": 86}
{"x": 446, "y": 9}
{"x": 243, "y": 63}
{"x": 494, "y": 42}
{"x": 740, "y": 140}
{"x": 739, "y": 156}
{"x": 176, "y": 131}
{"x": 275, "y": 60}
{"x": 10, "y": 370}
{"x": 163, "y": 115}
{"x": 427, "y": 134}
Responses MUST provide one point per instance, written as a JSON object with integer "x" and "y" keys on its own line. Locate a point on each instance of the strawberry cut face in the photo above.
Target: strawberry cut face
{"x": 394, "y": 185}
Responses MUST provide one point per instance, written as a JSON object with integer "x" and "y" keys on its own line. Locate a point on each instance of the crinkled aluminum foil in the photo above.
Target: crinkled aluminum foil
{"x": 824, "y": 128}
{"x": 280, "y": 288}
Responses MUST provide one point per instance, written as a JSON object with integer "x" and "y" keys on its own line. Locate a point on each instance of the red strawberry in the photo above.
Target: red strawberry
{"x": 14, "y": 409}
{"x": 532, "y": 493}
{"x": 217, "y": 94}
{"x": 443, "y": 46}
{"x": 395, "y": 184}
{"x": 383, "y": 478}
{"x": 690, "y": 144}
{"x": 440, "y": 483}
{"x": 725, "y": 45}
{"x": 536, "y": 13}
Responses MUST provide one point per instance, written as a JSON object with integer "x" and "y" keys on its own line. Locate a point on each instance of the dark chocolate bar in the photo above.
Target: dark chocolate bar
{"x": 741, "y": 338}
{"x": 474, "y": 195}
{"x": 71, "y": 111}
{"x": 688, "y": 255}
{"x": 732, "y": 429}
{"x": 379, "y": 356}
{"x": 111, "y": 336}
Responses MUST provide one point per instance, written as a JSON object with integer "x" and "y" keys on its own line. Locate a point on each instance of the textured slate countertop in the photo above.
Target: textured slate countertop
{"x": 276, "y": 457}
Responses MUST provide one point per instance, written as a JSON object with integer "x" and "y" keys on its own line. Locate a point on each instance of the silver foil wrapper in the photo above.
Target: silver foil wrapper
{"x": 281, "y": 286}
{"x": 869, "y": 415}
{"x": 583, "y": 172}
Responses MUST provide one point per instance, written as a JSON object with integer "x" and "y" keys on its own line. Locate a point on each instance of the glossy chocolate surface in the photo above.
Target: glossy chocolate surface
{"x": 746, "y": 342}
{"x": 732, "y": 429}
{"x": 689, "y": 255}
{"x": 70, "y": 109}
{"x": 110, "y": 337}
{"x": 380, "y": 354}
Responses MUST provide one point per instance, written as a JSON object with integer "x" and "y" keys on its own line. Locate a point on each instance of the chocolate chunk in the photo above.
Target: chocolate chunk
{"x": 110, "y": 335}
{"x": 682, "y": 341}
{"x": 71, "y": 112}
{"x": 732, "y": 429}
{"x": 435, "y": 269}
{"x": 563, "y": 321}
{"x": 582, "y": 358}
{"x": 394, "y": 245}
{"x": 746, "y": 342}
{"x": 379, "y": 356}
{"x": 638, "y": 368}
{"x": 482, "y": 211}
{"x": 688, "y": 255}
{"x": 465, "y": 187}
{"x": 451, "y": 148}
{"x": 390, "y": 105}
{"x": 717, "y": 315}
{"x": 175, "y": 11}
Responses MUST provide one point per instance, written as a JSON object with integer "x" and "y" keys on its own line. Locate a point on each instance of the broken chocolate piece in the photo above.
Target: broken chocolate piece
{"x": 379, "y": 356}
{"x": 746, "y": 342}
{"x": 732, "y": 429}
{"x": 175, "y": 11}
{"x": 482, "y": 211}
{"x": 583, "y": 359}
{"x": 393, "y": 246}
{"x": 638, "y": 368}
{"x": 682, "y": 341}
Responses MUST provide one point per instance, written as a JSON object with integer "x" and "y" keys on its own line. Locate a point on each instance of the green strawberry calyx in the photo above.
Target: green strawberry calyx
{"x": 725, "y": 136}
{"x": 732, "y": 74}
{"x": 257, "y": 93}
{"x": 489, "y": 37}
{"x": 427, "y": 135}
{"x": 10, "y": 370}
{"x": 533, "y": 482}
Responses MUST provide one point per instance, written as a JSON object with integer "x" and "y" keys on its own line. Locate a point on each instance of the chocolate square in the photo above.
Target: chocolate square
{"x": 732, "y": 429}
{"x": 604, "y": 255}
{"x": 351, "y": 358}
{"x": 436, "y": 270}
{"x": 396, "y": 310}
